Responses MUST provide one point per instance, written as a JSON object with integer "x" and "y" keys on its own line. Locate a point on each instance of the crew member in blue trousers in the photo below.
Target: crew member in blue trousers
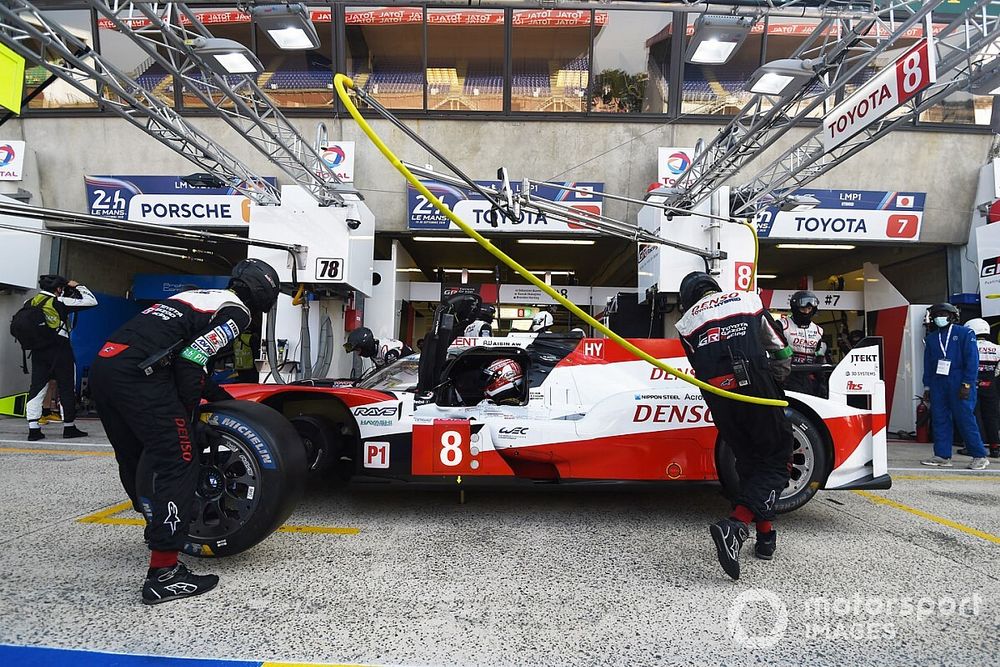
{"x": 951, "y": 367}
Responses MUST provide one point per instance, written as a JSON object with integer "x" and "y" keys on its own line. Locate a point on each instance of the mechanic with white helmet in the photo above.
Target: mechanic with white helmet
{"x": 147, "y": 381}
{"x": 482, "y": 326}
{"x": 542, "y": 321}
{"x": 383, "y": 352}
{"x": 733, "y": 343}
{"x": 806, "y": 340}
{"x": 987, "y": 396}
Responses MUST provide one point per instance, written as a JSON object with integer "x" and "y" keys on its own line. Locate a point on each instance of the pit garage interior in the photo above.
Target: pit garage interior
{"x": 421, "y": 528}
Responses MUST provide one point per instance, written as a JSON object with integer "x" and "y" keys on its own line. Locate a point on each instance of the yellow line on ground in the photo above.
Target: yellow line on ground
{"x": 28, "y": 450}
{"x": 951, "y": 478}
{"x": 968, "y": 530}
{"x": 107, "y": 517}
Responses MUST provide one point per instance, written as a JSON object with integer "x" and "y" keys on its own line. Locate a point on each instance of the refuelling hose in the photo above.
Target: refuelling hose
{"x": 341, "y": 82}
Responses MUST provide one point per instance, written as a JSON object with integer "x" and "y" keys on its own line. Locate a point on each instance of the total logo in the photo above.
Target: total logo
{"x": 7, "y": 155}
{"x": 678, "y": 162}
{"x": 333, "y": 156}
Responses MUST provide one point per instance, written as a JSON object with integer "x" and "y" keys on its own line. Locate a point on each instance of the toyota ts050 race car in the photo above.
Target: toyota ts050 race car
{"x": 587, "y": 410}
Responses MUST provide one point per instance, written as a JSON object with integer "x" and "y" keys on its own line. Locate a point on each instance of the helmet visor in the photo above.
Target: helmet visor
{"x": 807, "y": 300}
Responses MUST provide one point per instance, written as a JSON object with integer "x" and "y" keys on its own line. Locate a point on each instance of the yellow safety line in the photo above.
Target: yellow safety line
{"x": 951, "y": 478}
{"x": 968, "y": 530}
{"x": 28, "y": 450}
{"x": 339, "y": 82}
{"x": 107, "y": 518}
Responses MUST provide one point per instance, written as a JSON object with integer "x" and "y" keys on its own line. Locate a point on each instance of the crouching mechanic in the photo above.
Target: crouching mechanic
{"x": 383, "y": 353}
{"x": 727, "y": 338}
{"x": 147, "y": 381}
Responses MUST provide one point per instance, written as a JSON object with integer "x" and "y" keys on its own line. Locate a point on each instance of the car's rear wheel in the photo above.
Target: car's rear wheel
{"x": 250, "y": 483}
{"x": 809, "y": 464}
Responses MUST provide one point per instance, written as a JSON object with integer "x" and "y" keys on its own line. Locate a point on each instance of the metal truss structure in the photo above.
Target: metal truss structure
{"x": 164, "y": 30}
{"x": 843, "y": 48}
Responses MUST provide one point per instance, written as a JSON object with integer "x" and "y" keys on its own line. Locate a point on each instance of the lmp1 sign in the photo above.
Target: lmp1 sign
{"x": 887, "y": 90}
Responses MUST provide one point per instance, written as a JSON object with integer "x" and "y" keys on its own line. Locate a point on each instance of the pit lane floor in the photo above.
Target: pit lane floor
{"x": 540, "y": 575}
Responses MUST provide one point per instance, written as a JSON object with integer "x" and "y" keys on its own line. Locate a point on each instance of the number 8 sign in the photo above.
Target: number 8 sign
{"x": 450, "y": 445}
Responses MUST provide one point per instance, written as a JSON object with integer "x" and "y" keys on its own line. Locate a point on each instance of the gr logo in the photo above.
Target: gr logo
{"x": 990, "y": 267}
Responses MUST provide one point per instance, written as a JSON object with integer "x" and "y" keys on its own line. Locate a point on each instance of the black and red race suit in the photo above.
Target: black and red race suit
{"x": 727, "y": 337}
{"x": 987, "y": 396}
{"x": 147, "y": 381}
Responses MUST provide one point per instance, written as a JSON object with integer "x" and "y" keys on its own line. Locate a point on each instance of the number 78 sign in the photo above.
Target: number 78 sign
{"x": 887, "y": 90}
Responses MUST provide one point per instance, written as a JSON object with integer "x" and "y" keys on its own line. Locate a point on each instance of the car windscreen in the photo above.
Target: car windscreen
{"x": 398, "y": 376}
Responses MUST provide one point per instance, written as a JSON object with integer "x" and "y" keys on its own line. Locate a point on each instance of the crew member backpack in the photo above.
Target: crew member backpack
{"x": 30, "y": 328}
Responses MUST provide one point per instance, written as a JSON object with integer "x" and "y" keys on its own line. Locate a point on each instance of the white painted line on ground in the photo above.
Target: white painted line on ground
{"x": 936, "y": 470}
{"x": 49, "y": 443}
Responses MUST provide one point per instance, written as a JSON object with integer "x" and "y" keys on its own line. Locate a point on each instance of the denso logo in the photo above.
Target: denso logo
{"x": 375, "y": 412}
{"x": 673, "y": 414}
{"x": 515, "y": 430}
{"x": 660, "y": 374}
{"x": 717, "y": 300}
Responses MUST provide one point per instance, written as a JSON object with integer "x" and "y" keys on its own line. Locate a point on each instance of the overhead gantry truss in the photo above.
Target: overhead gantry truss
{"x": 164, "y": 31}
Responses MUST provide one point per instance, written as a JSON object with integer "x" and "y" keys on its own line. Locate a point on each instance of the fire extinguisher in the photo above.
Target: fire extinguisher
{"x": 352, "y": 315}
{"x": 923, "y": 420}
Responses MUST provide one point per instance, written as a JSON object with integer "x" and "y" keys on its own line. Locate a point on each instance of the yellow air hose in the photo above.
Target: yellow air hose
{"x": 341, "y": 82}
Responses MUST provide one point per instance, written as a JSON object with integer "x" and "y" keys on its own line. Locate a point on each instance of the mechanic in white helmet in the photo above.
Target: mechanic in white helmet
{"x": 482, "y": 326}
{"x": 542, "y": 321}
{"x": 987, "y": 396}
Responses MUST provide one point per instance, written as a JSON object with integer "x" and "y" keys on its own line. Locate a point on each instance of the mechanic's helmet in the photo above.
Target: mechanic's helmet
{"x": 798, "y": 302}
{"x": 542, "y": 321}
{"x": 694, "y": 286}
{"x": 466, "y": 307}
{"x": 979, "y": 326}
{"x": 504, "y": 380}
{"x": 485, "y": 313}
{"x": 256, "y": 283}
{"x": 51, "y": 282}
{"x": 942, "y": 314}
{"x": 362, "y": 341}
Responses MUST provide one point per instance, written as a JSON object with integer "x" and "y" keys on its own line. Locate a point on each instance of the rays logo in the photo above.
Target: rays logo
{"x": 7, "y": 155}
{"x": 678, "y": 162}
{"x": 990, "y": 267}
{"x": 333, "y": 156}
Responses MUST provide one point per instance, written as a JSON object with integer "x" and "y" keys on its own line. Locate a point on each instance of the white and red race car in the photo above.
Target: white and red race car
{"x": 588, "y": 411}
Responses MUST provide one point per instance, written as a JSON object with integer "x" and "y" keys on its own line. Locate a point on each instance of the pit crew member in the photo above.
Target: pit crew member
{"x": 727, "y": 337}
{"x": 987, "y": 396}
{"x": 382, "y": 353}
{"x": 806, "y": 340}
{"x": 147, "y": 381}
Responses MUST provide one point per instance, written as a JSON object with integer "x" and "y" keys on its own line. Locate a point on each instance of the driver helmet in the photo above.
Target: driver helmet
{"x": 801, "y": 300}
{"x": 362, "y": 341}
{"x": 979, "y": 326}
{"x": 504, "y": 380}
{"x": 256, "y": 283}
{"x": 542, "y": 321}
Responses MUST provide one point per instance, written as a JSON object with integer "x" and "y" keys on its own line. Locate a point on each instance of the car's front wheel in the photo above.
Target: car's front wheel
{"x": 250, "y": 483}
{"x": 809, "y": 464}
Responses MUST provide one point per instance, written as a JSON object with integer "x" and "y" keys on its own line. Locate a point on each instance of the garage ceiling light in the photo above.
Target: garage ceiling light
{"x": 814, "y": 246}
{"x": 409, "y": 269}
{"x": 781, "y": 77}
{"x": 716, "y": 38}
{"x": 445, "y": 239}
{"x": 554, "y": 273}
{"x": 288, "y": 26}
{"x": 556, "y": 241}
{"x": 766, "y": 276}
{"x": 226, "y": 56}
{"x": 482, "y": 271}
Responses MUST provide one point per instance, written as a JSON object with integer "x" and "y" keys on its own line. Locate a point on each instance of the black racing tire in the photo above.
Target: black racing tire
{"x": 810, "y": 461}
{"x": 327, "y": 456}
{"x": 251, "y": 485}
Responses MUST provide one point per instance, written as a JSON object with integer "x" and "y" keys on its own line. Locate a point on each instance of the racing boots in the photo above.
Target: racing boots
{"x": 729, "y": 536}
{"x": 174, "y": 583}
{"x": 72, "y": 431}
{"x": 35, "y": 434}
{"x": 765, "y": 545}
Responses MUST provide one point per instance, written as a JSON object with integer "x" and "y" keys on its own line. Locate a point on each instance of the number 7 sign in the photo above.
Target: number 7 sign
{"x": 902, "y": 226}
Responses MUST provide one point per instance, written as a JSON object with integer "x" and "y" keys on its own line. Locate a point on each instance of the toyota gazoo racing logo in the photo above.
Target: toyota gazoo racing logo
{"x": 713, "y": 335}
{"x": 7, "y": 155}
{"x": 333, "y": 156}
{"x": 678, "y": 162}
{"x": 990, "y": 267}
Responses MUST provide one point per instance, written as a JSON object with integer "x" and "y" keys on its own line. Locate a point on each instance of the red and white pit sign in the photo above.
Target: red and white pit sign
{"x": 887, "y": 90}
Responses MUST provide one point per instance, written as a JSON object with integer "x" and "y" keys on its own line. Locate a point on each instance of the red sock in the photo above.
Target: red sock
{"x": 764, "y": 527}
{"x": 741, "y": 513}
{"x": 158, "y": 559}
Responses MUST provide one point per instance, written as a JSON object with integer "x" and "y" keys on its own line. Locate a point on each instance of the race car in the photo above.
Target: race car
{"x": 532, "y": 407}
